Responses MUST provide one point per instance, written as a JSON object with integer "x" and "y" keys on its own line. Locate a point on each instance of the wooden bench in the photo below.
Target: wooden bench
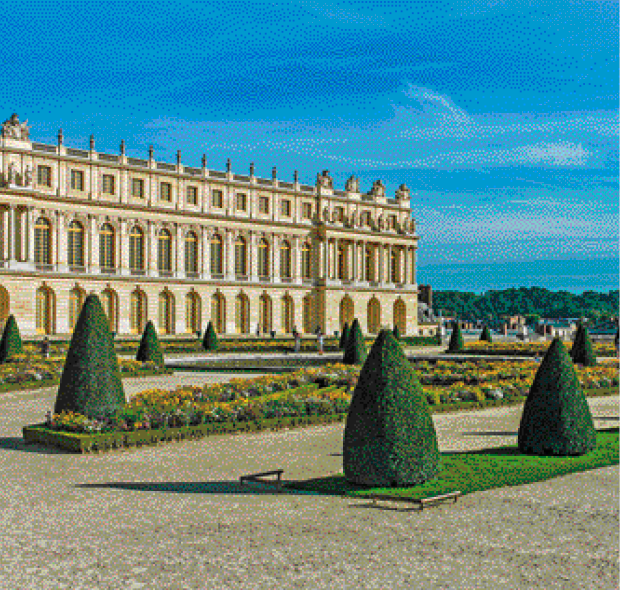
{"x": 420, "y": 503}
{"x": 258, "y": 478}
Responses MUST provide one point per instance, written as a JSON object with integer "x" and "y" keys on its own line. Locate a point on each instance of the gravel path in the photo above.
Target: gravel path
{"x": 174, "y": 516}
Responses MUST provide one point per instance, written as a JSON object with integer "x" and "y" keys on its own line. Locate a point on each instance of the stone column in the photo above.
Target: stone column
{"x": 11, "y": 235}
{"x": 206, "y": 257}
{"x": 61, "y": 242}
{"x": 32, "y": 216}
{"x": 91, "y": 258}
{"x": 179, "y": 253}
{"x": 253, "y": 262}
{"x": 275, "y": 258}
{"x": 228, "y": 256}
{"x": 151, "y": 261}
{"x": 296, "y": 259}
{"x": 414, "y": 278}
{"x": 122, "y": 252}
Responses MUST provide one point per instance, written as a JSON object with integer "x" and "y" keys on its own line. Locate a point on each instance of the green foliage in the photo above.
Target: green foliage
{"x": 150, "y": 347}
{"x": 210, "y": 342}
{"x": 396, "y": 333}
{"x": 456, "y": 339}
{"x": 90, "y": 382}
{"x": 485, "y": 336}
{"x": 355, "y": 349}
{"x": 389, "y": 437}
{"x": 584, "y": 355}
{"x": 11, "y": 342}
{"x": 577, "y": 342}
{"x": 344, "y": 336}
{"x": 556, "y": 417}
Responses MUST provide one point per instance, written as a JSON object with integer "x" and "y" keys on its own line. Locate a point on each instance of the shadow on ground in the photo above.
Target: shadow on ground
{"x": 198, "y": 487}
{"x": 16, "y": 443}
{"x": 491, "y": 433}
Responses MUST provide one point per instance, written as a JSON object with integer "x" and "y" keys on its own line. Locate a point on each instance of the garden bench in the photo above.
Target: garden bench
{"x": 421, "y": 503}
{"x": 258, "y": 478}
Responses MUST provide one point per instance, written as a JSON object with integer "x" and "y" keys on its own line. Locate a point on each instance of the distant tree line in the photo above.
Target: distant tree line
{"x": 532, "y": 302}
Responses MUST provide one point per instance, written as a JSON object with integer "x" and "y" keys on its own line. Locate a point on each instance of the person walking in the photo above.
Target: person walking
{"x": 319, "y": 340}
{"x": 45, "y": 348}
{"x": 297, "y": 340}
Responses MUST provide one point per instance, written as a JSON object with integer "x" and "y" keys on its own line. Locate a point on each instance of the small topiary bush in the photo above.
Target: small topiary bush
{"x": 210, "y": 342}
{"x": 355, "y": 349}
{"x": 396, "y": 332}
{"x": 584, "y": 354}
{"x": 485, "y": 336}
{"x": 456, "y": 340}
{"x": 150, "y": 347}
{"x": 344, "y": 336}
{"x": 11, "y": 341}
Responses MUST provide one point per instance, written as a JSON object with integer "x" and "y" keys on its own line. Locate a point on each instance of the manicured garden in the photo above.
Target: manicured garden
{"x": 533, "y": 349}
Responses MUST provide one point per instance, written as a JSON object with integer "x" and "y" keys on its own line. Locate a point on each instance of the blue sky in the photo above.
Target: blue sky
{"x": 501, "y": 116}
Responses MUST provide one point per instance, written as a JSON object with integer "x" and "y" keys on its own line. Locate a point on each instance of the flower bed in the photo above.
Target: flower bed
{"x": 605, "y": 349}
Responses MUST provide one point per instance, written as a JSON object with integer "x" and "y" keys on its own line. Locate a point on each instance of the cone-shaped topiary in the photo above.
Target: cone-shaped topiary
{"x": 485, "y": 335}
{"x": 90, "y": 382}
{"x": 150, "y": 348}
{"x": 577, "y": 342}
{"x": 556, "y": 417}
{"x": 355, "y": 348}
{"x": 396, "y": 332}
{"x": 209, "y": 342}
{"x": 456, "y": 340}
{"x": 344, "y": 336}
{"x": 11, "y": 341}
{"x": 584, "y": 355}
{"x": 389, "y": 436}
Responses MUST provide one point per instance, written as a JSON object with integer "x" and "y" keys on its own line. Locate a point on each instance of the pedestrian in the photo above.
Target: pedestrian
{"x": 45, "y": 348}
{"x": 258, "y": 330}
{"x": 297, "y": 340}
{"x": 319, "y": 341}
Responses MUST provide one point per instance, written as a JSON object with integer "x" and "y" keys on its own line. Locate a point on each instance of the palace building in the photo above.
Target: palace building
{"x": 181, "y": 245}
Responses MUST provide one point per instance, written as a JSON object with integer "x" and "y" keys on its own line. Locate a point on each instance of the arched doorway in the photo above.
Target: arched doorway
{"x": 265, "y": 313}
{"x": 306, "y": 315}
{"x": 166, "y": 313}
{"x": 192, "y": 312}
{"x": 374, "y": 316}
{"x": 287, "y": 314}
{"x": 46, "y": 311}
{"x": 218, "y": 313}
{"x": 400, "y": 316}
{"x": 347, "y": 311}
{"x": 109, "y": 302}
{"x": 137, "y": 311}
{"x": 242, "y": 314}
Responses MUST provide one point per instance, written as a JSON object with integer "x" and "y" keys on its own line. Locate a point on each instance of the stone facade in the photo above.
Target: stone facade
{"x": 182, "y": 245}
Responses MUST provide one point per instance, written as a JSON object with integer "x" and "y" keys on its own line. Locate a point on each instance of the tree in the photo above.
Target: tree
{"x": 11, "y": 341}
{"x": 389, "y": 436}
{"x": 584, "y": 355}
{"x": 355, "y": 349}
{"x": 456, "y": 339}
{"x": 210, "y": 342}
{"x": 150, "y": 348}
{"x": 577, "y": 342}
{"x": 90, "y": 382}
{"x": 556, "y": 417}
{"x": 396, "y": 332}
{"x": 344, "y": 336}
{"x": 485, "y": 336}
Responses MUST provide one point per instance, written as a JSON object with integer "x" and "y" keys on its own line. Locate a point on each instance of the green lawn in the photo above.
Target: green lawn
{"x": 482, "y": 470}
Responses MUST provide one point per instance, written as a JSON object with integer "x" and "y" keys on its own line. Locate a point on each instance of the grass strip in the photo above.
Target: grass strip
{"x": 475, "y": 471}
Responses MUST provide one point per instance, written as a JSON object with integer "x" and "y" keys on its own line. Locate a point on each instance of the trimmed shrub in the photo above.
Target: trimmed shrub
{"x": 485, "y": 336}
{"x": 344, "y": 336}
{"x": 355, "y": 349}
{"x": 150, "y": 348}
{"x": 577, "y": 342}
{"x": 556, "y": 417}
{"x": 585, "y": 354}
{"x": 90, "y": 382}
{"x": 11, "y": 341}
{"x": 209, "y": 342}
{"x": 396, "y": 333}
{"x": 456, "y": 340}
{"x": 389, "y": 436}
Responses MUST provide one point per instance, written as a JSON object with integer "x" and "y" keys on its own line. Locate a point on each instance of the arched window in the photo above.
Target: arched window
{"x": 45, "y": 315}
{"x": 217, "y": 255}
{"x": 136, "y": 249}
{"x": 264, "y": 271}
{"x": 306, "y": 318}
{"x": 76, "y": 300}
{"x": 191, "y": 254}
{"x": 42, "y": 241}
{"x": 192, "y": 312}
{"x": 306, "y": 261}
{"x": 164, "y": 252}
{"x": 369, "y": 263}
{"x": 109, "y": 302}
{"x": 242, "y": 314}
{"x": 107, "y": 237}
{"x": 287, "y": 314}
{"x": 241, "y": 257}
{"x": 400, "y": 316}
{"x": 374, "y": 316}
{"x": 394, "y": 266}
{"x": 218, "y": 313}
{"x": 341, "y": 262}
{"x": 265, "y": 313}
{"x": 347, "y": 311}
{"x": 285, "y": 260}
{"x": 75, "y": 245}
{"x": 137, "y": 311}
{"x": 166, "y": 313}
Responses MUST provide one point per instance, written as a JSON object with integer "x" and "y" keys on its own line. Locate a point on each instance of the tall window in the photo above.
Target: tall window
{"x": 45, "y": 311}
{"x": 217, "y": 252}
{"x": 136, "y": 249}
{"x": 394, "y": 266}
{"x": 242, "y": 202}
{"x": 76, "y": 300}
{"x": 369, "y": 264}
{"x": 192, "y": 195}
{"x": 306, "y": 210}
{"x": 192, "y": 312}
{"x": 365, "y": 219}
{"x": 106, "y": 248}
{"x": 263, "y": 204}
{"x": 241, "y": 257}
{"x": 285, "y": 260}
{"x": 341, "y": 265}
{"x": 338, "y": 214}
{"x": 42, "y": 241}
{"x": 263, "y": 259}
{"x": 165, "y": 191}
{"x": 75, "y": 253}
{"x": 77, "y": 180}
{"x": 137, "y": 311}
{"x": 285, "y": 208}
{"x": 306, "y": 261}
{"x": 44, "y": 175}
{"x": 306, "y": 315}
{"x": 265, "y": 313}
{"x": 287, "y": 314}
{"x": 400, "y": 316}
{"x": 347, "y": 311}
{"x": 217, "y": 199}
{"x": 109, "y": 302}
{"x": 164, "y": 251}
{"x": 374, "y": 316}
{"x": 166, "y": 313}
{"x": 392, "y": 222}
{"x": 109, "y": 184}
{"x": 137, "y": 188}
{"x": 242, "y": 314}
{"x": 218, "y": 313}
{"x": 191, "y": 253}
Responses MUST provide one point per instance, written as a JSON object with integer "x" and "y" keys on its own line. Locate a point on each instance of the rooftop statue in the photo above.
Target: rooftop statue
{"x": 13, "y": 129}
{"x": 378, "y": 189}
{"x": 352, "y": 185}
{"x": 402, "y": 192}
{"x": 324, "y": 180}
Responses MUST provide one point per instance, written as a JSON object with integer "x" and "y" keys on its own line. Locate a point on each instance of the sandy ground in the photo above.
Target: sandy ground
{"x": 174, "y": 516}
